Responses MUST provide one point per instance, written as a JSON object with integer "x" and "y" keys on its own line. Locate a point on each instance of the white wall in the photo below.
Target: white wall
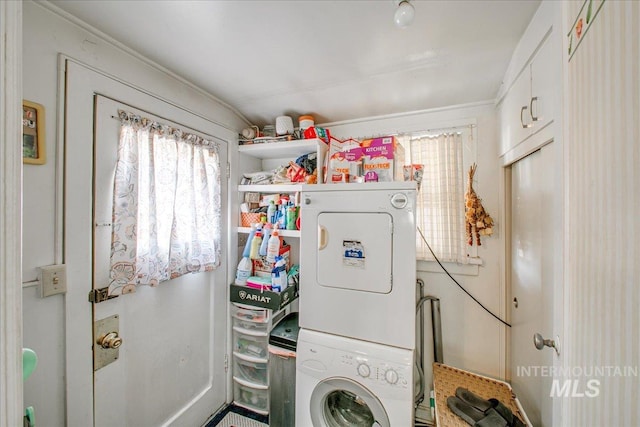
{"x": 602, "y": 140}
{"x": 45, "y": 36}
{"x": 473, "y": 340}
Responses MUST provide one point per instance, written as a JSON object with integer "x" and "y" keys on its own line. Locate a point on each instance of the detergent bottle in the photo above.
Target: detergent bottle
{"x": 271, "y": 212}
{"x": 279, "y": 275}
{"x": 266, "y": 233}
{"x": 254, "y": 253}
{"x": 273, "y": 247}
{"x": 245, "y": 268}
{"x": 247, "y": 246}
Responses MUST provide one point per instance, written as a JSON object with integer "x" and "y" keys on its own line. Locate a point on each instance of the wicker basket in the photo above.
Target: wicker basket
{"x": 246, "y": 219}
{"x": 446, "y": 379}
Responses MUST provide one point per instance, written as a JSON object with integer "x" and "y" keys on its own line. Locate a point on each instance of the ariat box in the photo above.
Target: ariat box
{"x": 383, "y": 159}
{"x": 261, "y": 298}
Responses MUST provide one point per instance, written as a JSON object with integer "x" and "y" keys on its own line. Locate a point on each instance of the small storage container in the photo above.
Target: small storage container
{"x": 252, "y": 314}
{"x": 251, "y": 397}
{"x": 249, "y": 343}
{"x": 250, "y": 325}
{"x": 253, "y": 371}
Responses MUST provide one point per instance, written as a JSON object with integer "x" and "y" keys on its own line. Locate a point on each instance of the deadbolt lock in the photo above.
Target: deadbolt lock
{"x": 110, "y": 340}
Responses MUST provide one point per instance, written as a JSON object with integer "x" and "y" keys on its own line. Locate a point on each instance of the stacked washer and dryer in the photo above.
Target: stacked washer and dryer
{"x": 356, "y": 347}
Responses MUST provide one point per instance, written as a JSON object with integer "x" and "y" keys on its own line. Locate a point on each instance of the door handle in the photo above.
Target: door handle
{"x": 110, "y": 340}
{"x": 524, "y": 107}
{"x": 322, "y": 237}
{"x": 533, "y": 117}
{"x": 541, "y": 343}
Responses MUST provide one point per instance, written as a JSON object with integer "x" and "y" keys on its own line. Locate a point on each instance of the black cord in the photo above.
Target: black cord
{"x": 456, "y": 282}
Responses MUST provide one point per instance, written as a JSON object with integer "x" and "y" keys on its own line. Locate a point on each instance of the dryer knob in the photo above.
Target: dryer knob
{"x": 399, "y": 200}
{"x": 364, "y": 370}
{"x": 391, "y": 376}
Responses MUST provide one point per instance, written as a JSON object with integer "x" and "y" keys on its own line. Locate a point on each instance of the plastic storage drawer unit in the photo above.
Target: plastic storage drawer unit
{"x": 252, "y": 397}
{"x": 250, "y": 343}
{"x": 250, "y": 369}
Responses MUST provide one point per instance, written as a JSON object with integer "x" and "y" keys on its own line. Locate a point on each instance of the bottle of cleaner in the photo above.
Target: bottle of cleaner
{"x": 273, "y": 247}
{"x": 247, "y": 246}
{"x": 279, "y": 275}
{"x": 266, "y": 232}
{"x": 271, "y": 212}
{"x": 254, "y": 253}
{"x": 245, "y": 268}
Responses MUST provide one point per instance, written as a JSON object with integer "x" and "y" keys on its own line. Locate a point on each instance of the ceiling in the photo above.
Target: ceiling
{"x": 337, "y": 60}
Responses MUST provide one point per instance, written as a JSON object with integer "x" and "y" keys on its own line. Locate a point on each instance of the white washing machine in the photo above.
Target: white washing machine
{"x": 358, "y": 261}
{"x": 342, "y": 382}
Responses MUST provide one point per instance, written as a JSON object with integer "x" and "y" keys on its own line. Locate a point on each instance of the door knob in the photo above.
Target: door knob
{"x": 541, "y": 343}
{"x": 110, "y": 340}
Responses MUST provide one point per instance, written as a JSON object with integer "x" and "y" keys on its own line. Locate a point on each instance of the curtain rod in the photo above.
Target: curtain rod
{"x": 419, "y": 132}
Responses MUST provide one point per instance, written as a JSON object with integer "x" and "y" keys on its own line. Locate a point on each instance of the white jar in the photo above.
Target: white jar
{"x": 284, "y": 125}
{"x": 305, "y": 123}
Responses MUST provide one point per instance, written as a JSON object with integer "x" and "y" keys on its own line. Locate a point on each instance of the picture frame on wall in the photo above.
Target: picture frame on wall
{"x": 33, "y": 133}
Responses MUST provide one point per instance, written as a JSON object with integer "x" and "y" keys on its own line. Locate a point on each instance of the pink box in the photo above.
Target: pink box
{"x": 384, "y": 157}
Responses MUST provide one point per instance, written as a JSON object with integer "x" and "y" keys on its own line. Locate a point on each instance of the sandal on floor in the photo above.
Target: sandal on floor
{"x": 484, "y": 405}
{"x": 473, "y": 416}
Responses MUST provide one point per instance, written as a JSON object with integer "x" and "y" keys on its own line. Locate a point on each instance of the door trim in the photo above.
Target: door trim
{"x": 81, "y": 84}
{"x": 11, "y": 400}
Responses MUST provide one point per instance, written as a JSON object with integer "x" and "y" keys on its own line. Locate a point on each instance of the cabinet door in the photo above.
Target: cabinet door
{"x": 514, "y": 112}
{"x": 543, "y": 85}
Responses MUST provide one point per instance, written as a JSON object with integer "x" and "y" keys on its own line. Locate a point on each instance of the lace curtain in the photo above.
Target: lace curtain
{"x": 166, "y": 205}
{"x": 440, "y": 210}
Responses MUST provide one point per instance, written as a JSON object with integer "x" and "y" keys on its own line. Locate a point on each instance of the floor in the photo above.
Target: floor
{"x": 234, "y": 416}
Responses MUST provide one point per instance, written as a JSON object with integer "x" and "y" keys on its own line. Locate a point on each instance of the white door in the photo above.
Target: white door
{"x": 532, "y": 281}
{"x": 169, "y": 369}
{"x": 171, "y": 366}
{"x": 355, "y": 251}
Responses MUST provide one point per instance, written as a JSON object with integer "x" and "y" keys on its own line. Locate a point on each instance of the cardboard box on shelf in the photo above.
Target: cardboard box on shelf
{"x": 263, "y": 298}
{"x": 263, "y": 268}
{"x": 384, "y": 157}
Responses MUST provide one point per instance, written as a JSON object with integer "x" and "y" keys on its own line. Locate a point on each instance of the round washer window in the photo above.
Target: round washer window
{"x": 341, "y": 402}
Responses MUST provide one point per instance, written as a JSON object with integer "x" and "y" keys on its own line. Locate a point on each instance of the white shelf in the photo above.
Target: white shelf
{"x": 271, "y": 188}
{"x": 281, "y": 233}
{"x": 281, "y": 149}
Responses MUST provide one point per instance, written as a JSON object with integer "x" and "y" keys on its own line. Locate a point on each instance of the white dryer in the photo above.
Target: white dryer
{"x": 358, "y": 261}
{"x": 342, "y": 382}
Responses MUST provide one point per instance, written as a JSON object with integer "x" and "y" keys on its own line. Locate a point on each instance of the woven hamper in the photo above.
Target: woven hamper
{"x": 445, "y": 381}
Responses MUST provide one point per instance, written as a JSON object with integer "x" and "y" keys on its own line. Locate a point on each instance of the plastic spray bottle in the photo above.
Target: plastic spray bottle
{"x": 273, "y": 247}
{"x": 266, "y": 232}
{"x": 254, "y": 253}
{"x": 279, "y": 275}
{"x": 247, "y": 246}
{"x": 271, "y": 212}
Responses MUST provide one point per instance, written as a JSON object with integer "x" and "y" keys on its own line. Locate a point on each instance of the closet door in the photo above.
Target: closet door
{"x": 532, "y": 282}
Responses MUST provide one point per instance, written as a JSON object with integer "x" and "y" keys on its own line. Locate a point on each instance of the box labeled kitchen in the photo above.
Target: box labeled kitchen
{"x": 383, "y": 159}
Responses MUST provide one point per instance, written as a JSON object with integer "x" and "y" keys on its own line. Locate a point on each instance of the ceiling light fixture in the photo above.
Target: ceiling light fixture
{"x": 404, "y": 14}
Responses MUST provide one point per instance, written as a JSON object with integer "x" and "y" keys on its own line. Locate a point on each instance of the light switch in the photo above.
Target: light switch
{"x": 53, "y": 280}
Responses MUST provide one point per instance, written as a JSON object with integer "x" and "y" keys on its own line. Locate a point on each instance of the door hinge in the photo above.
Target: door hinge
{"x": 228, "y": 170}
{"x": 226, "y": 363}
{"x": 100, "y": 295}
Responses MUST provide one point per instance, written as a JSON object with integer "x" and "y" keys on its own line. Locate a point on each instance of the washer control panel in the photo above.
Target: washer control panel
{"x": 380, "y": 372}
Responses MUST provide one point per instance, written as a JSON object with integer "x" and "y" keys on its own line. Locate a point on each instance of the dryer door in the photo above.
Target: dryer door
{"x": 341, "y": 402}
{"x": 355, "y": 251}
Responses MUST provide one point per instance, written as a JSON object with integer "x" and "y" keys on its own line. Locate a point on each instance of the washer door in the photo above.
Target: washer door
{"x": 341, "y": 402}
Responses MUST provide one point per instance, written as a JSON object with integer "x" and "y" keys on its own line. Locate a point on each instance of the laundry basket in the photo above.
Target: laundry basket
{"x": 445, "y": 381}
